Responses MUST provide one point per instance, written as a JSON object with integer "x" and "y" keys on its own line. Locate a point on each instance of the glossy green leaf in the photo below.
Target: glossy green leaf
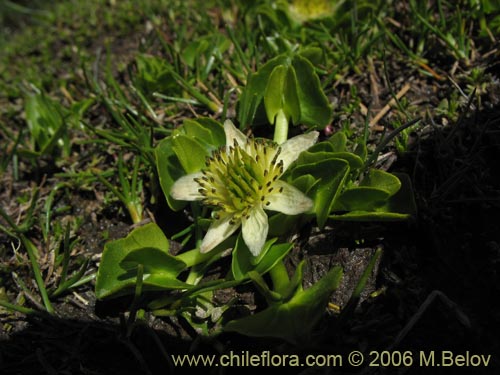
{"x": 274, "y": 93}
{"x": 305, "y": 183}
{"x": 190, "y": 152}
{"x": 331, "y": 175}
{"x": 354, "y": 161}
{"x": 292, "y": 320}
{"x": 253, "y": 93}
{"x": 362, "y": 198}
{"x": 193, "y": 129}
{"x": 338, "y": 141}
{"x": 400, "y": 206}
{"x": 314, "y": 155}
{"x": 315, "y": 109}
{"x": 382, "y": 180}
{"x": 289, "y": 83}
{"x": 155, "y": 261}
{"x": 185, "y": 152}
{"x": 206, "y": 131}
{"x": 324, "y": 150}
{"x": 117, "y": 271}
{"x": 291, "y": 103}
{"x": 169, "y": 170}
{"x": 281, "y": 94}
{"x": 243, "y": 261}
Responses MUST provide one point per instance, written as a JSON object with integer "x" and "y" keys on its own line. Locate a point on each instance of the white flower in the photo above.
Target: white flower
{"x": 240, "y": 181}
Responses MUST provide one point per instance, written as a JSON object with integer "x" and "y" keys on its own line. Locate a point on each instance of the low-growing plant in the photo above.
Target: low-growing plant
{"x": 269, "y": 188}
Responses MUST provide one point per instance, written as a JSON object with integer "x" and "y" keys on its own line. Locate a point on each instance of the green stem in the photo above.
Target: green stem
{"x": 135, "y": 211}
{"x": 194, "y": 257}
{"x": 12, "y": 307}
{"x": 135, "y": 302}
{"x": 281, "y": 128}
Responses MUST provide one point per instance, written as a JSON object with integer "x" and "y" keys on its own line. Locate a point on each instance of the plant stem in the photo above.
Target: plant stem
{"x": 194, "y": 257}
{"x": 12, "y": 307}
{"x": 134, "y": 211}
{"x": 135, "y": 301}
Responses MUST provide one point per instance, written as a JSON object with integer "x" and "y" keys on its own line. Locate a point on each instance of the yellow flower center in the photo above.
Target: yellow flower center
{"x": 236, "y": 180}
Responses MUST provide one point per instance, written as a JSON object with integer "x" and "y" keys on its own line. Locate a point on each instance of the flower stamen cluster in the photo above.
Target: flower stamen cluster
{"x": 240, "y": 180}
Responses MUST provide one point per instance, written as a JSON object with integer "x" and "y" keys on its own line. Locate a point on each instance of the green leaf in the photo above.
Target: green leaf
{"x": 243, "y": 261}
{"x": 206, "y": 131}
{"x": 185, "y": 152}
{"x": 314, "y": 155}
{"x": 331, "y": 175}
{"x": 315, "y": 110}
{"x": 400, "y": 206}
{"x": 382, "y": 180}
{"x": 274, "y": 93}
{"x": 362, "y": 198}
{"x": 190, "y": 152}
{"x": 324, "y": 150}
{"x": 169, "y": 170}
{"x": 155, "y": 261}
{"x": 281, "y": 94}
{"x": 288, "y": 83}
{"x": 338, "y": 142}
{"x": 117, "y": 272}
{"x": 254, "y": 91}
{"x": 292, "y": 320}
{"x": 305, "y": 183}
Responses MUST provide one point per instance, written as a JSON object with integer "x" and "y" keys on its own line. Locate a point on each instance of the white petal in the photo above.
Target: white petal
{"x": 291, "y": 201}
{"x": 255, "y": 230}
{"x": 186, "y": 188}
{"x": 291, "y": 149}
{"x": 219, "y": 230}
{"x": 232, "y": 133}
